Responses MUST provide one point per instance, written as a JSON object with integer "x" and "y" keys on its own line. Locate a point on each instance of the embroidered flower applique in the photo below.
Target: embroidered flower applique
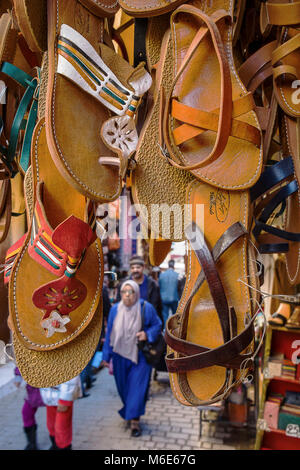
{"x": 55, "y": 323}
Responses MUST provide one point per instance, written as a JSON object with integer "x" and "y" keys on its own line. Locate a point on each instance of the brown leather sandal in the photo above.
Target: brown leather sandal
{"x": 64, "y": 316}
{"x": 210, "y": 316}
{"x": 207, "y": 119}
{"x": 91, "y": 83}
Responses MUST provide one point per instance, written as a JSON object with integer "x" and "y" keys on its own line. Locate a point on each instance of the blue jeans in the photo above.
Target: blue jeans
{"x": 167, "y": 306}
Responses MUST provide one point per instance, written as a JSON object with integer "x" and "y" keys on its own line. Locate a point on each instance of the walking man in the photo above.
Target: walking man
{"x": 168, "y": 283}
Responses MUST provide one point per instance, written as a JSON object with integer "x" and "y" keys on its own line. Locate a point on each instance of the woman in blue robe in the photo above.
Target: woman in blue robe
{"x": 131, "y": 371}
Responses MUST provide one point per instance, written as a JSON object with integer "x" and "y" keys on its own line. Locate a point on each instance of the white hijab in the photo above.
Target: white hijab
{"x": 127, "y": 324}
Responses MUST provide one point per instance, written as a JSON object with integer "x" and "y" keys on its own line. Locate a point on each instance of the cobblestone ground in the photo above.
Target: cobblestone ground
{"x": 97, "y": 425}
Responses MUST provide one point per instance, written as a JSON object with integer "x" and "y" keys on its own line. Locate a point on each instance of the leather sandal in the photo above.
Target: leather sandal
{"x": 18, "y": 114}
{"x": 92, "y": 152}
{"x": 21, "y": 113}
{"x": 58, "y": 311}
{"x": 286, "y": 70}
{"x": 281, "y": 316}
{"x": 205, "y": 120}
{"x": 207, "y": 337}
{"x": 156, "y": 172}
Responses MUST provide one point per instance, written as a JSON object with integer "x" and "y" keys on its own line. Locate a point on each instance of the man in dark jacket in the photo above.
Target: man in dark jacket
{"x": 149, "y": 288}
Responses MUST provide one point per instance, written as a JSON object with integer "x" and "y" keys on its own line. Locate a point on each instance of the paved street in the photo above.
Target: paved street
{"x": 98, "y": 426}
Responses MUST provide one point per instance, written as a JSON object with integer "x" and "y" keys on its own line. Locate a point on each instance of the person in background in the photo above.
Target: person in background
{"x": 32, "y": 402}
{"x": 131, "y": 371}
{"x": 59, "y": 402}
{"x": 168, "y": 284}
{"x": 87, "y": 376}
{"x": 149, "y": 288}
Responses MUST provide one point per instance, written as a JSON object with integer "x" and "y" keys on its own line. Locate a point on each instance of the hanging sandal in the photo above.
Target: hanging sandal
{"x": 202, "y": 135}
{"x": 211, "y": 315}
{"x": 281, "y": 316}
{"x": 56, "y": 317}
{"x": 92, "y": 153}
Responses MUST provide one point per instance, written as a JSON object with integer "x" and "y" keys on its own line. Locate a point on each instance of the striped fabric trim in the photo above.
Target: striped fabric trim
{"x": 101, "y": 81}
{"x": 43, "y": 244}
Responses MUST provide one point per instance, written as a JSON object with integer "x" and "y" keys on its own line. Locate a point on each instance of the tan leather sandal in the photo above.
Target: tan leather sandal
{"x": 92, "y": 139}
{"x": 206, "y": 120}
{"x": 63, "y": 291}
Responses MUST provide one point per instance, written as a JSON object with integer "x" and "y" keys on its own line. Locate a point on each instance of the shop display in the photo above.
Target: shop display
{"x": 279, "y": 408}
{"x": 185, "y": 105}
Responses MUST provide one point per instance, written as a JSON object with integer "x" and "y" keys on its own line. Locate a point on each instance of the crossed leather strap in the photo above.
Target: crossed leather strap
{"x": 196, "y": 356}
{"x": 195, "y": 121}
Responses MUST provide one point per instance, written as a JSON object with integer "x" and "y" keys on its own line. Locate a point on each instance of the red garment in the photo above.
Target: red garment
{"x": 59, "y": 424}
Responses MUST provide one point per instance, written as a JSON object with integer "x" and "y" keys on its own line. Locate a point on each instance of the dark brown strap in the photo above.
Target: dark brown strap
{"x": 190, "y": 349}
{"x": 231, "y": 235}
{"x": 227, "y": 355}
{"x": 209, "y": 269}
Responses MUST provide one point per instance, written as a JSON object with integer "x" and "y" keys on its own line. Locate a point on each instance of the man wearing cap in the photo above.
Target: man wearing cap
{"x": 149, "y": 288}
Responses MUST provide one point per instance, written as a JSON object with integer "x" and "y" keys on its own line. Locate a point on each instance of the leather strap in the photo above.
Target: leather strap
{"x": 30, "y": 83}
{"x": 283, "y": 14}
{"x": 255, "y": 63}
{"x": 260, "y": 224}
{"x": 272, "y": 176}
{"x": 228, "y": 355}
{"x": 140, "y": 30}
{"x": 278, "y": 315}
{"x": 208, "y": 266}
{"x": 225, "y": 115}
{"x": 198, "y": 121}
{"x": 286, "y": 48}
{"x": 230, "y": 236}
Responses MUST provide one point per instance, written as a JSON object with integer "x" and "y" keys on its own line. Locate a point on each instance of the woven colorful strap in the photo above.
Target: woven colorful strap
{"x": 80, "y": 63}
{"x": 61, "y": 250}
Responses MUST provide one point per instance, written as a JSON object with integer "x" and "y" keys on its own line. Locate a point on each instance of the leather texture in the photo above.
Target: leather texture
{"x": 158, "y": 250}
{"x": 152, "y": 169}
{"x": 59, "y": 202}
{"x": 201, "y": 326}
{"x": 32, "y": 20}
{"x": 76, "y": 148}
{"x": 211, "y": 155}
{"x": 145, "y": 9}
{"x": 290, "y": 131}
{"x": 102, "y": 8}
